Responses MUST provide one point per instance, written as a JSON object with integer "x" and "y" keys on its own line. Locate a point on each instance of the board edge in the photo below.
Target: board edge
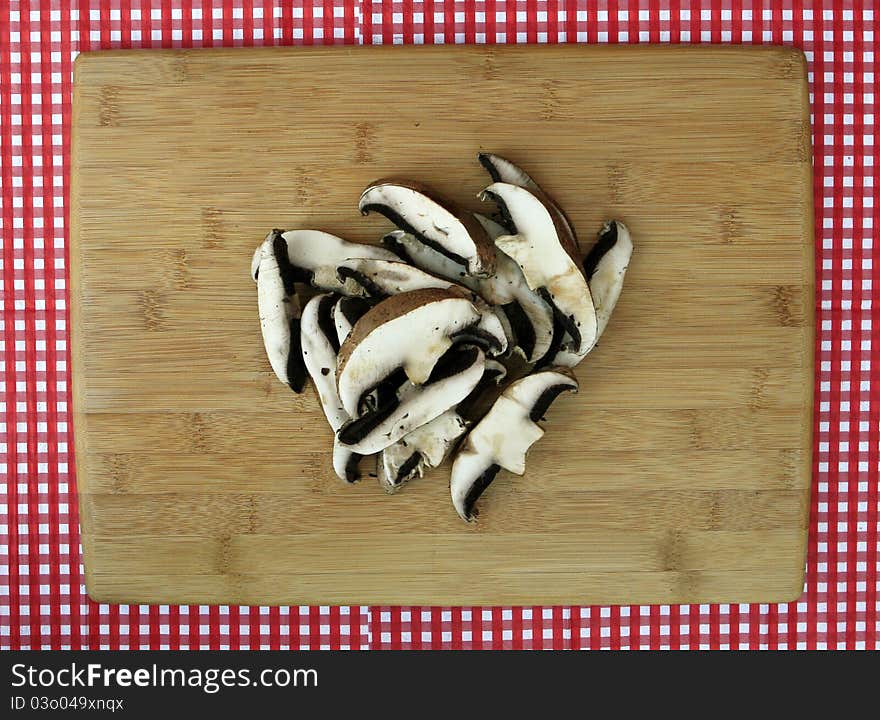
{"x": 77, "y": 345}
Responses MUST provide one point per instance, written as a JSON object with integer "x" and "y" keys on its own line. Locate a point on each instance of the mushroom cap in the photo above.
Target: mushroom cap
{"x": 434, "y": 219}
{"x": 502, "y": 170}
{"x": 411, "y": 330}
{"x": 503, "y": 437}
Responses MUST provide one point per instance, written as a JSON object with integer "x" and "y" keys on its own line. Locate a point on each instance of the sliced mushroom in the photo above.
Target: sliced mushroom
{"x": 605, "y": 268}
{"x": 347, "y": 312}
{"x": 502, "y": 170}
{"x": 528, "y": 316}
{"x": 435, "y": 220}
{"x": 346, "y": 463}
{"x": 425, "y": 447}
{"x": 320, "y": 346}
{"x": 279, "y": 311}
{"x": 383, "y": 278}
{"x": 315, "y": 255}
{"x": 429, "y": 445}
{"x": 408, "y": 248}
{"x": 411, "y": 406}
{"x": 410, "y": 331}
{"x": 549, "y": 268}
{"x": 503, "y": 437}
{"x": 531, "y": 318}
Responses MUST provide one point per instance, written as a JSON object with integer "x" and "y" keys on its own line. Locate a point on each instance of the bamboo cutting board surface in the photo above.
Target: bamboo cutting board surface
{"x": 679, "y": 473}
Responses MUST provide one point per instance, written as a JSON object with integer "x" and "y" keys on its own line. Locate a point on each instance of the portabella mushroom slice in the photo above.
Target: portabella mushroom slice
{"x": 434, "y": 220}
{"x": 503, "y": 437}
{"x": 279, "y": 311}
{"x": 528, "y": 316}
{"x": 502, "y": 170}
{"x": 315, "y": 255}
{"x": 320, "y": 346}
{"x": 549, "y": 268}
{"x": 605, "y": 268}
{"x": 425, "y": 447}
{"x": 429, "y": 445}
{"x": 384, "y": 278}
{"x": 411, "y": 331}
{"x": 414, "y": 405}
{"x": 531, "y": 318}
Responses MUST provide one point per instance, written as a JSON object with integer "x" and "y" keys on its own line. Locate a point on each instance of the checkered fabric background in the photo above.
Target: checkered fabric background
{"x": 42, "y": 599}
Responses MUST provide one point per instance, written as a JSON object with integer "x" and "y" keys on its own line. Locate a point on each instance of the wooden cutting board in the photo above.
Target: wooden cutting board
{"x": 679, "y": 473}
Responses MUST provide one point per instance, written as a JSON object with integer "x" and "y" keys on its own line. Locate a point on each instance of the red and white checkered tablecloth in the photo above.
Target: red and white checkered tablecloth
{"x": 42, "y": 600}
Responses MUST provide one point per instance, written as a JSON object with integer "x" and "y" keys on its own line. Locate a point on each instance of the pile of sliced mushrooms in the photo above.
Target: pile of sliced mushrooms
{"x": 452, "y": 338}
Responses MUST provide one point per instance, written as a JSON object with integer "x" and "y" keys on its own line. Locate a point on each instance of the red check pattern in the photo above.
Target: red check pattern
{"x": 42, "y": 600}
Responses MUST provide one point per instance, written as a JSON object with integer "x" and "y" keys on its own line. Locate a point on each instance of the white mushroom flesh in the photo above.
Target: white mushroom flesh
{"x": 428, "y": 220}
{"x": 429, "y": 445}
{"x": 546, "y": 265}
{"x": 318, "y": 254}
{"x": 503, "y": 437}
{"x": 319, "y": 355}
{"x": 346, "y": 462}
{"x": 425, "y": 447}
{"x": 388, "y": 277}
{"x": 413, "y": 407}
{"x": 502, "y": 170}
{"x": 506, "y": 286}
{"x": 414, "y": 341}
{"x": 383, "y": 278}
{"x": 605, "y": 267}
{"x": 606, "y": 273}
{"x": 346, "y": 313}
{"x": 279, "y": 317}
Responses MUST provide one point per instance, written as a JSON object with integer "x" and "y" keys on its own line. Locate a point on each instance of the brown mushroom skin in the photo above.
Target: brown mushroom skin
{"x": 388, "y": 310}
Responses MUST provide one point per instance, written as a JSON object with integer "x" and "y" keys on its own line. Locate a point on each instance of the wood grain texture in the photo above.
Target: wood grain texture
{"x": 679, "y": 473}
